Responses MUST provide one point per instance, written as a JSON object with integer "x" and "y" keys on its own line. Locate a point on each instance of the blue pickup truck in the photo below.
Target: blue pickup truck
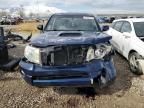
{"x": 71, "y": 51}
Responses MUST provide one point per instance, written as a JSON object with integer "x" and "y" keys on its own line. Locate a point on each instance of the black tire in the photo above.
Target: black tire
{"x": 11, "y": 65}
{"x": 134, "y": 64}
{"x": 3, "y": 54}
{"x": 100, "y": 82}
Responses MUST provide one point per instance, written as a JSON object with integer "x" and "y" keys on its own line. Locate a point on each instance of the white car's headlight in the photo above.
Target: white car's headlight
{"x": 32, "y": 54}
{"x": 99, "y": 52}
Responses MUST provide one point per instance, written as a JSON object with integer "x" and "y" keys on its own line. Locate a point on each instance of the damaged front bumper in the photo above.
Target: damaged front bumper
{"x": 82, "y": 75}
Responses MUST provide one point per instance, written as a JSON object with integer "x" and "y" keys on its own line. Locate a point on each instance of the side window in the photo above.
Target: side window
{"x": 118, "y": 25}
{"x": 113, "y": 24}
{"x": 126, "y": 27}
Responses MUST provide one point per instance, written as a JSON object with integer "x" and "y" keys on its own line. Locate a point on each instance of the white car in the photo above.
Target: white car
{"x": 128, "y": 40}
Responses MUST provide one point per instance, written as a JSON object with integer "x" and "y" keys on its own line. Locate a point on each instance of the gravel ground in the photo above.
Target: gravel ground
{"x": 126, "y": 92}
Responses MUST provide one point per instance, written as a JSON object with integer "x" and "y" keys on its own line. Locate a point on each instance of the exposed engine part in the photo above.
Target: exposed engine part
{"x": 70, "y": 55}
{"x": 90, "y": 54}
{"x": 64, "y": 55}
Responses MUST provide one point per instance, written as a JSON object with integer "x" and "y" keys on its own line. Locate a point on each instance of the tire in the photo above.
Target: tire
{"x": 11, "y": 65}
{"x": 101, "y": 82}
{"x": 3, "y": 54}
{"x": 134, "y": 64}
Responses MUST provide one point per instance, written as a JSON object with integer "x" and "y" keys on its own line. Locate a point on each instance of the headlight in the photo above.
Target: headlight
{"x": 32, "y": 54}
{"x": 99, "y": 52}
{"x": 102, "y": 50}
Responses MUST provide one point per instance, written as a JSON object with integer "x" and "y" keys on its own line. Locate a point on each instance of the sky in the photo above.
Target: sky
{"x": 93, "y": 6}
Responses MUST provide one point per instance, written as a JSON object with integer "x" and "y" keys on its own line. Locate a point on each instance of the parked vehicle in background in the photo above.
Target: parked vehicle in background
{"x": 111, "y": 19}
{"x": 101, "y": 19}
{"x": 72, "y": 51}
{"x": 128, "y": 40}
{"x": 7, "y": 20}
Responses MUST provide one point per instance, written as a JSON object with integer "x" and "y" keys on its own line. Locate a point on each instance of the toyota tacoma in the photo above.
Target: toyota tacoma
{"x": 71, "y": 51}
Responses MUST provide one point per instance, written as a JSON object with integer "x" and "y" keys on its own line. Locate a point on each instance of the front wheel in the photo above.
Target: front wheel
{"x": 135, "y": 67}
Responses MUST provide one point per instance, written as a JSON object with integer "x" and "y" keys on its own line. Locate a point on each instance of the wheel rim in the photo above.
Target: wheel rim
{"x": 133, "y": 62}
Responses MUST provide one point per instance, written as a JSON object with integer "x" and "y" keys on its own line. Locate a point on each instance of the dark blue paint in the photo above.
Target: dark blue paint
{"x": 53, "y": 38}
{"x": 83, "y": 75}
{"x": 93, "y": 70}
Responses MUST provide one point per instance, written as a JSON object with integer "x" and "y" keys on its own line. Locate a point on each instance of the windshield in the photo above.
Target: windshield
{"x": 139, "y": 28}
{"x": 72, "y": 23}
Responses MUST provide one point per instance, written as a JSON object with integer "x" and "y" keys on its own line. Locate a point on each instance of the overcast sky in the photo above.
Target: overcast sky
{"x": 81, "y": 5}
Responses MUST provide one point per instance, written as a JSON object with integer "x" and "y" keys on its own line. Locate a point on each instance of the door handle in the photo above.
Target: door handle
{"x": 127, "y": 37}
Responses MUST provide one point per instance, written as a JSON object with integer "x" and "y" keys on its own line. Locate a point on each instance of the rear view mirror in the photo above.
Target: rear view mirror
{"x": 40, "y": 27}
{"x": 105, "y": 28}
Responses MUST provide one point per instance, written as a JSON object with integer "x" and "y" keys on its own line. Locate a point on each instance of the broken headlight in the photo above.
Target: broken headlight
{"x": 102, "y": 50}
{"x": 99, "y": 52}
{"x": 32, "y": 54}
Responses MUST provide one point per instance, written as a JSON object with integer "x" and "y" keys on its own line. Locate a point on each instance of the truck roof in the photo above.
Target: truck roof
{"x": 74, "y": 14}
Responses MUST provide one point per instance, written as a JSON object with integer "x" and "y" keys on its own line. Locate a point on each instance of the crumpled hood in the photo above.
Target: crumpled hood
{"x": 55, "y": 38}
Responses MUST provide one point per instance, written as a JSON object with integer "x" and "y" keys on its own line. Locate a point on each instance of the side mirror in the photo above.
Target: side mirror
{"x": 105, "y": 28}
{"x": 40, "y": 27}
{"x": 126, "y": 34}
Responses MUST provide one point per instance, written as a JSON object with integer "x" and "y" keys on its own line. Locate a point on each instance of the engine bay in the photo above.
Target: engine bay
{"x": 70, "y": 55}
{"x": 64, "y": 55}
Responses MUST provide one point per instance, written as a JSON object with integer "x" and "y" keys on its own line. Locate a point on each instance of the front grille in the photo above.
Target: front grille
{"x": 64, "y": 55}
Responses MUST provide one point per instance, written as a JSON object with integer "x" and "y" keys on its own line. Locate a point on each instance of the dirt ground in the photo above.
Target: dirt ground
{"x": 126, "y": 92}
{"x": 27, "y": 27}
{"x": 23, "y": 29}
